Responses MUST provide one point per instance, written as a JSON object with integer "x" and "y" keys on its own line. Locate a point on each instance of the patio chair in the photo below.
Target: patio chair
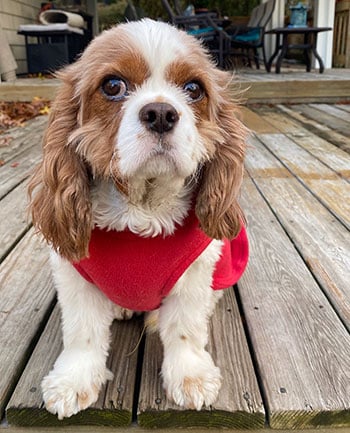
{"x": 247, "y": 38}
{"x": 198, "y": 25}
{"x": 132, "y": 12}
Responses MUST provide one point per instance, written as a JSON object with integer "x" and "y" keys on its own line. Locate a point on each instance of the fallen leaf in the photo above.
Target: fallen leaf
{"x": 5, "y": 141}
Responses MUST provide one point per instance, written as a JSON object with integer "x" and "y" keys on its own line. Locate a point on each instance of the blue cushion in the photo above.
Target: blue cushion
{"x": 195, "y": 32}
{"x": 252, "y": 35}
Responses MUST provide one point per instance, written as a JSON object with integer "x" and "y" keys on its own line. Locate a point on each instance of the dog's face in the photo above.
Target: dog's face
{"x": 150, "y": 93}
{"x": 143, "y": 101}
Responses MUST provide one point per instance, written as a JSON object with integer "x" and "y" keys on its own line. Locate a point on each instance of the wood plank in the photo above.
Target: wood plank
{"x": 115, "y": 404}
{"x": 319, "y": 129}
{"x": 301, "y": 347}
{"x": 13, "y": 217}
{"x": 322, "y": 241}
{"x": 256, "y": 123}
{"x": 26, "y": 296}
{"x": 18, "y": 169}
{"x": 239, "y": 403}
{"x": 331, "y": 110}
{"x": 297, "y": 90}
{"x": 25, "y": 90}
{"x": 344, "y": 107}
{"x": 137, "y": 429}
{"x": 330, "y": 155}
{"x": 22, "y": 137}
{"x": 21, "y": 156}
{"x": 324, "y": 183}
{"x": 331, "y": 121}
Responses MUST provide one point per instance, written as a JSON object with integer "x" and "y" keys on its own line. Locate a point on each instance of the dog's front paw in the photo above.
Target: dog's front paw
{"x": 73, "y": 386}
{"x": 192, "y": 383}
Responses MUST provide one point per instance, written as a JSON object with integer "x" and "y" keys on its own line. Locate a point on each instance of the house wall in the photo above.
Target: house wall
{"x": 12, "y": 14}
{"x": 324, "y": 17}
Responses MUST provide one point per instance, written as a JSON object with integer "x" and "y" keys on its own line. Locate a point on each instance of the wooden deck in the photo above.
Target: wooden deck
{"x": 292, "y": 85}
{"x": 281, "y": 336}
{"x": 295, "y": 85}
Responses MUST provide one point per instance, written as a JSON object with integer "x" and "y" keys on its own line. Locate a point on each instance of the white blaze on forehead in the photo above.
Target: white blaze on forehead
{"x": 159, "y": 43}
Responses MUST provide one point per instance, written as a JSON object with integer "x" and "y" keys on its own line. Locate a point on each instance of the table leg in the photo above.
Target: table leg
{"x": 277, "y": 47}
{"x": 307, "y": 52}
{"x": 283, "y": 53}
{"x": 313, "y": 48}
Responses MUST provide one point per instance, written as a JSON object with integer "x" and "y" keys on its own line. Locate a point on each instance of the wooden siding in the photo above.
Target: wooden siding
{"x": 13, "y": 13}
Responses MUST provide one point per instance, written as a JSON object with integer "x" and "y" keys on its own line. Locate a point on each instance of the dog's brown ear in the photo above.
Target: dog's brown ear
{"x": 217, "y": 208}
{"x": 59, "y": 189}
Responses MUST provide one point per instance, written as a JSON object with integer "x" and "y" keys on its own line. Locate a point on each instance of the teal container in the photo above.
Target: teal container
{"x": 298, "y": 15}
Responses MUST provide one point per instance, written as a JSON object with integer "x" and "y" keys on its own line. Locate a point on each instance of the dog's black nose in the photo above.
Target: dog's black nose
{"x": 159, "y": 117}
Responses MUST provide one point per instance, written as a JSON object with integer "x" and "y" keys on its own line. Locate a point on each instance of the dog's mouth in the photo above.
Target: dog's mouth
{"x": 162, "y": 147}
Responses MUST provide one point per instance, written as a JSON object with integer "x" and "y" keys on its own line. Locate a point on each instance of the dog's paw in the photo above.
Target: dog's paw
{"x": 72, "y": 387}
{"x": 121, "y": 313}
{"x": 194, "y": 384}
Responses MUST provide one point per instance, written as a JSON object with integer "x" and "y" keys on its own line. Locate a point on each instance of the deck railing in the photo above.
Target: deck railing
{"x": 341, "y": 47}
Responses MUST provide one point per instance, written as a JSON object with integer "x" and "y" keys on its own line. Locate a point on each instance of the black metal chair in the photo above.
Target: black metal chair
{"x": 247, "y": 38}
{"x": 204, "y": 26}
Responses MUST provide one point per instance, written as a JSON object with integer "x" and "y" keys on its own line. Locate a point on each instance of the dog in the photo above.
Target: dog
{"x": 136, "y": 194}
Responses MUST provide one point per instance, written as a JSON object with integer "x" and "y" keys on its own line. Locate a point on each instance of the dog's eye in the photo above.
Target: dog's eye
{"x": 194, "y": 91}
{"x": 114, "y": 88}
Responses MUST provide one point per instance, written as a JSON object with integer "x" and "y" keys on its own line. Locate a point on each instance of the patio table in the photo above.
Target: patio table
{"x": 308, "y": 46}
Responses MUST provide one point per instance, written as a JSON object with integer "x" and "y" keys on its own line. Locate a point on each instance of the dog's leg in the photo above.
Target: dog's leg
{"x": 190, "y": 377}
{"x": 80, "y": 370}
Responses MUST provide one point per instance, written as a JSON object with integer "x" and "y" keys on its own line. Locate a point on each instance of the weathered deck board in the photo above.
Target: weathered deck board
{"x": 23, "y": 137}
{"x": 332, "y": 111}
{"x": 320, "y": 128}
{"x": 295, "y": 296}
{"x": 320, "y": 116}
{"x": 26, "y": 295}
{"x": 322, "y": 241}
{"x": 12, "y": 229}
{"x": 331, "y": 189}
{"x": 21, "y": 156}
{"x": 239, "y": 404}
{"x": 302, "y": 348}
{"x": 343, "y": 107}
{"x": 115, "y": 404}
{"x": 256, "y": 122}
{"x": 330, "y": 155}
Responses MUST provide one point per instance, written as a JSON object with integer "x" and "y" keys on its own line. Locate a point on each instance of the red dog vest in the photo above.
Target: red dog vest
{"x": 137, "y": 273}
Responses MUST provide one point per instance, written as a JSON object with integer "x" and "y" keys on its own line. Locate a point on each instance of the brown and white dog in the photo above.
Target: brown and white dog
{"x": 143, "y": 134}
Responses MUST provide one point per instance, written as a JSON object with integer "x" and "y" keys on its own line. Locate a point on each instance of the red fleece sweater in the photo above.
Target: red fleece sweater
{"x": 137, "y": 273}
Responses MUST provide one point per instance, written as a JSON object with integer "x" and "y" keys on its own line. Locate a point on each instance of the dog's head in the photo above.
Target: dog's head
{"x": 143, "y": 100}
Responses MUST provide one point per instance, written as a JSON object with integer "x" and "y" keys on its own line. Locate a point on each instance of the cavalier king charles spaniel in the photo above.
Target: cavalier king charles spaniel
{"x": 137, "y": 197}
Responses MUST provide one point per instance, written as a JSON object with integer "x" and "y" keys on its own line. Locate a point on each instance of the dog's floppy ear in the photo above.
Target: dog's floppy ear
{"x": 59, "y": 189}
{"x": 217, "y": 208}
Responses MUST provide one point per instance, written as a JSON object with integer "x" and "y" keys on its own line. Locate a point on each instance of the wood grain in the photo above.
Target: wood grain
{"x": 301, "y": 346}
{"x": 332, "y": 122}
{"x": 256, "y": 123}
{"x": 21, "y": 155}
{"x": 321, "y": 240}
{"x": 115, "y": 404}
{"x": 327, "y": 185}
{"x": 319, "y": 128}
{"x": 239, "y": 403}
{"x": 331, "y": 110}
{"x": 26, "y": 296}
{"x": 12, "y": 229}
{"x": 323, "y": 150}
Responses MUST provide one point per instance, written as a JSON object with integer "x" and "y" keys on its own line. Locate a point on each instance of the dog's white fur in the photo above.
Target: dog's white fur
{"x": 162, "y": 178}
